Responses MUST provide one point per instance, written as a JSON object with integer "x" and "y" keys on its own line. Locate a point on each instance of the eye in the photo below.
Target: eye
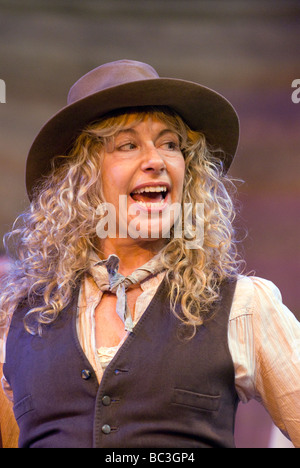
{"x": 127, "y": 146}
{"x": 170, "y": 146}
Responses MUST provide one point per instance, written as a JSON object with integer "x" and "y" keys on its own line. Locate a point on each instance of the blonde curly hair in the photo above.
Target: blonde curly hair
{"x": 51, "y": 242}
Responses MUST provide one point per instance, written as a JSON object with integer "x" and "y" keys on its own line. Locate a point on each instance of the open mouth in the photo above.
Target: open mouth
{"x": 150, "y": 196}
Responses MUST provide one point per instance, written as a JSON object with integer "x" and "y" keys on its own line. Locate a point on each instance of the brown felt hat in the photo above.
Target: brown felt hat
{"x": 128, "y": 83}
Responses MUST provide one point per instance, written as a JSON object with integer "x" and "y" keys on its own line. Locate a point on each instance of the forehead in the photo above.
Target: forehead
{"x": 136, "y": 124}
{"x": 131, "y": 118}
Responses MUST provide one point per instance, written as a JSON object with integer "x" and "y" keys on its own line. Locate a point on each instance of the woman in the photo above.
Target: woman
{"x": 122, "y": 332}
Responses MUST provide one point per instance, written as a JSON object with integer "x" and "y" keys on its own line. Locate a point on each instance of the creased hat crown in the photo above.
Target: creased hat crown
{"x": 110, "y": 75}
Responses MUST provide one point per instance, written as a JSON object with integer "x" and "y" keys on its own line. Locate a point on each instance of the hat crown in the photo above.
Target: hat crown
{"x": 110, "y": 75}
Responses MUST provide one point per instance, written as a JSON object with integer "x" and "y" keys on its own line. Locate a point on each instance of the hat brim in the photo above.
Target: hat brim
{"x": 200, "y": 107}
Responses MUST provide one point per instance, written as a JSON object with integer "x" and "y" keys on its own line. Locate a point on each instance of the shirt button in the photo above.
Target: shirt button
{"x": 106, "y": 400}
{"x": 106, "y": 428}
{"x": 86, "y": 374}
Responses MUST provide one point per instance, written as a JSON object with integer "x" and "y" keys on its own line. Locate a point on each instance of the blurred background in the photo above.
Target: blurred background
{"x": 247, "y": 50}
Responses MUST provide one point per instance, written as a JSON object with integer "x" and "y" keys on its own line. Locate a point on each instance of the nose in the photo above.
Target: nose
{"x": 152, "y": 160}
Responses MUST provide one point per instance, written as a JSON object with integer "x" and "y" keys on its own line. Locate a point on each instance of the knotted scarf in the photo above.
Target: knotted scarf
{"x": 107, "y": 278}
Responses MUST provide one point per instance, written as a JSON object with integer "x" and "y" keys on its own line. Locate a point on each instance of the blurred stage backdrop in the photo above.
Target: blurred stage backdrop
{"x": 247, "y": 50}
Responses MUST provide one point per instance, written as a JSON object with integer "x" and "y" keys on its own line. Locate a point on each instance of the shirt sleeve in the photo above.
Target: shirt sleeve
{"x": 264, "y": 340}
{"x": 2, "y": 350}
{"x": 5, "y": 386}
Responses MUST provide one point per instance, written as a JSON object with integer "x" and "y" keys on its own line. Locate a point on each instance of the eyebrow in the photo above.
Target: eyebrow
{"x": 126, "y": 130}
{"x": 134, "y": 132}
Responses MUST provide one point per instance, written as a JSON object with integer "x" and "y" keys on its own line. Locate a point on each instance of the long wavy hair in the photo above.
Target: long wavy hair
{"x": 51, "y": 242}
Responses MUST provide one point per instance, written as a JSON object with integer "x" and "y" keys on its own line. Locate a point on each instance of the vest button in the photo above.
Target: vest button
{"x": 106, "y": 400}
{"x": 106, "y": 429}
{"x": 86, "y": 374}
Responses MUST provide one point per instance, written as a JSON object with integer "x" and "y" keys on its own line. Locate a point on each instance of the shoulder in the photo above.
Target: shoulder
{"x": 254, "y": 294}
{"x": 262, "y": 301}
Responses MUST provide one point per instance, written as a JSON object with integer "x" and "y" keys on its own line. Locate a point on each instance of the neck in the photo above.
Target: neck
{"x": 132, "y": 255}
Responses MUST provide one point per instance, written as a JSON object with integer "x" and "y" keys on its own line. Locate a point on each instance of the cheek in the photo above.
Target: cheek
{"x": 112, "y": 179}
{"x": 179, "y": 174}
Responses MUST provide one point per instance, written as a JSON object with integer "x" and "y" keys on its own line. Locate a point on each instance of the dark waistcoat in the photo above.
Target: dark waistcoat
{"x": 160, "y": 390}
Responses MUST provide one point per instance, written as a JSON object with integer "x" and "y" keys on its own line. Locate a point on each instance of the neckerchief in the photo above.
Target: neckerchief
{"x": 107, "y": 277}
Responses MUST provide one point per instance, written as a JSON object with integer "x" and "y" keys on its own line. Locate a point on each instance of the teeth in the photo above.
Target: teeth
{"x": 159, "y": 188}
{"x": 150, "y": 204}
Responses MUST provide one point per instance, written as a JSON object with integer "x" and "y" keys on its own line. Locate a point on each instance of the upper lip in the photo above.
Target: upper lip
{"x": 160, "y": 183}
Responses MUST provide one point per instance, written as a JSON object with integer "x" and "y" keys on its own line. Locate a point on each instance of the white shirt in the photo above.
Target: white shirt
{"x": 263, "y": 339}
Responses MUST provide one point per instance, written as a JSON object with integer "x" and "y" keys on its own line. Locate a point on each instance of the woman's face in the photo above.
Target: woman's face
{"x": 142, "y": 176}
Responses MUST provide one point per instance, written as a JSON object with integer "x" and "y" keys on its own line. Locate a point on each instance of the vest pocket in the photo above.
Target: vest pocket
{"x": 196, "y": 400}
{"x": 23, "y": 406}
